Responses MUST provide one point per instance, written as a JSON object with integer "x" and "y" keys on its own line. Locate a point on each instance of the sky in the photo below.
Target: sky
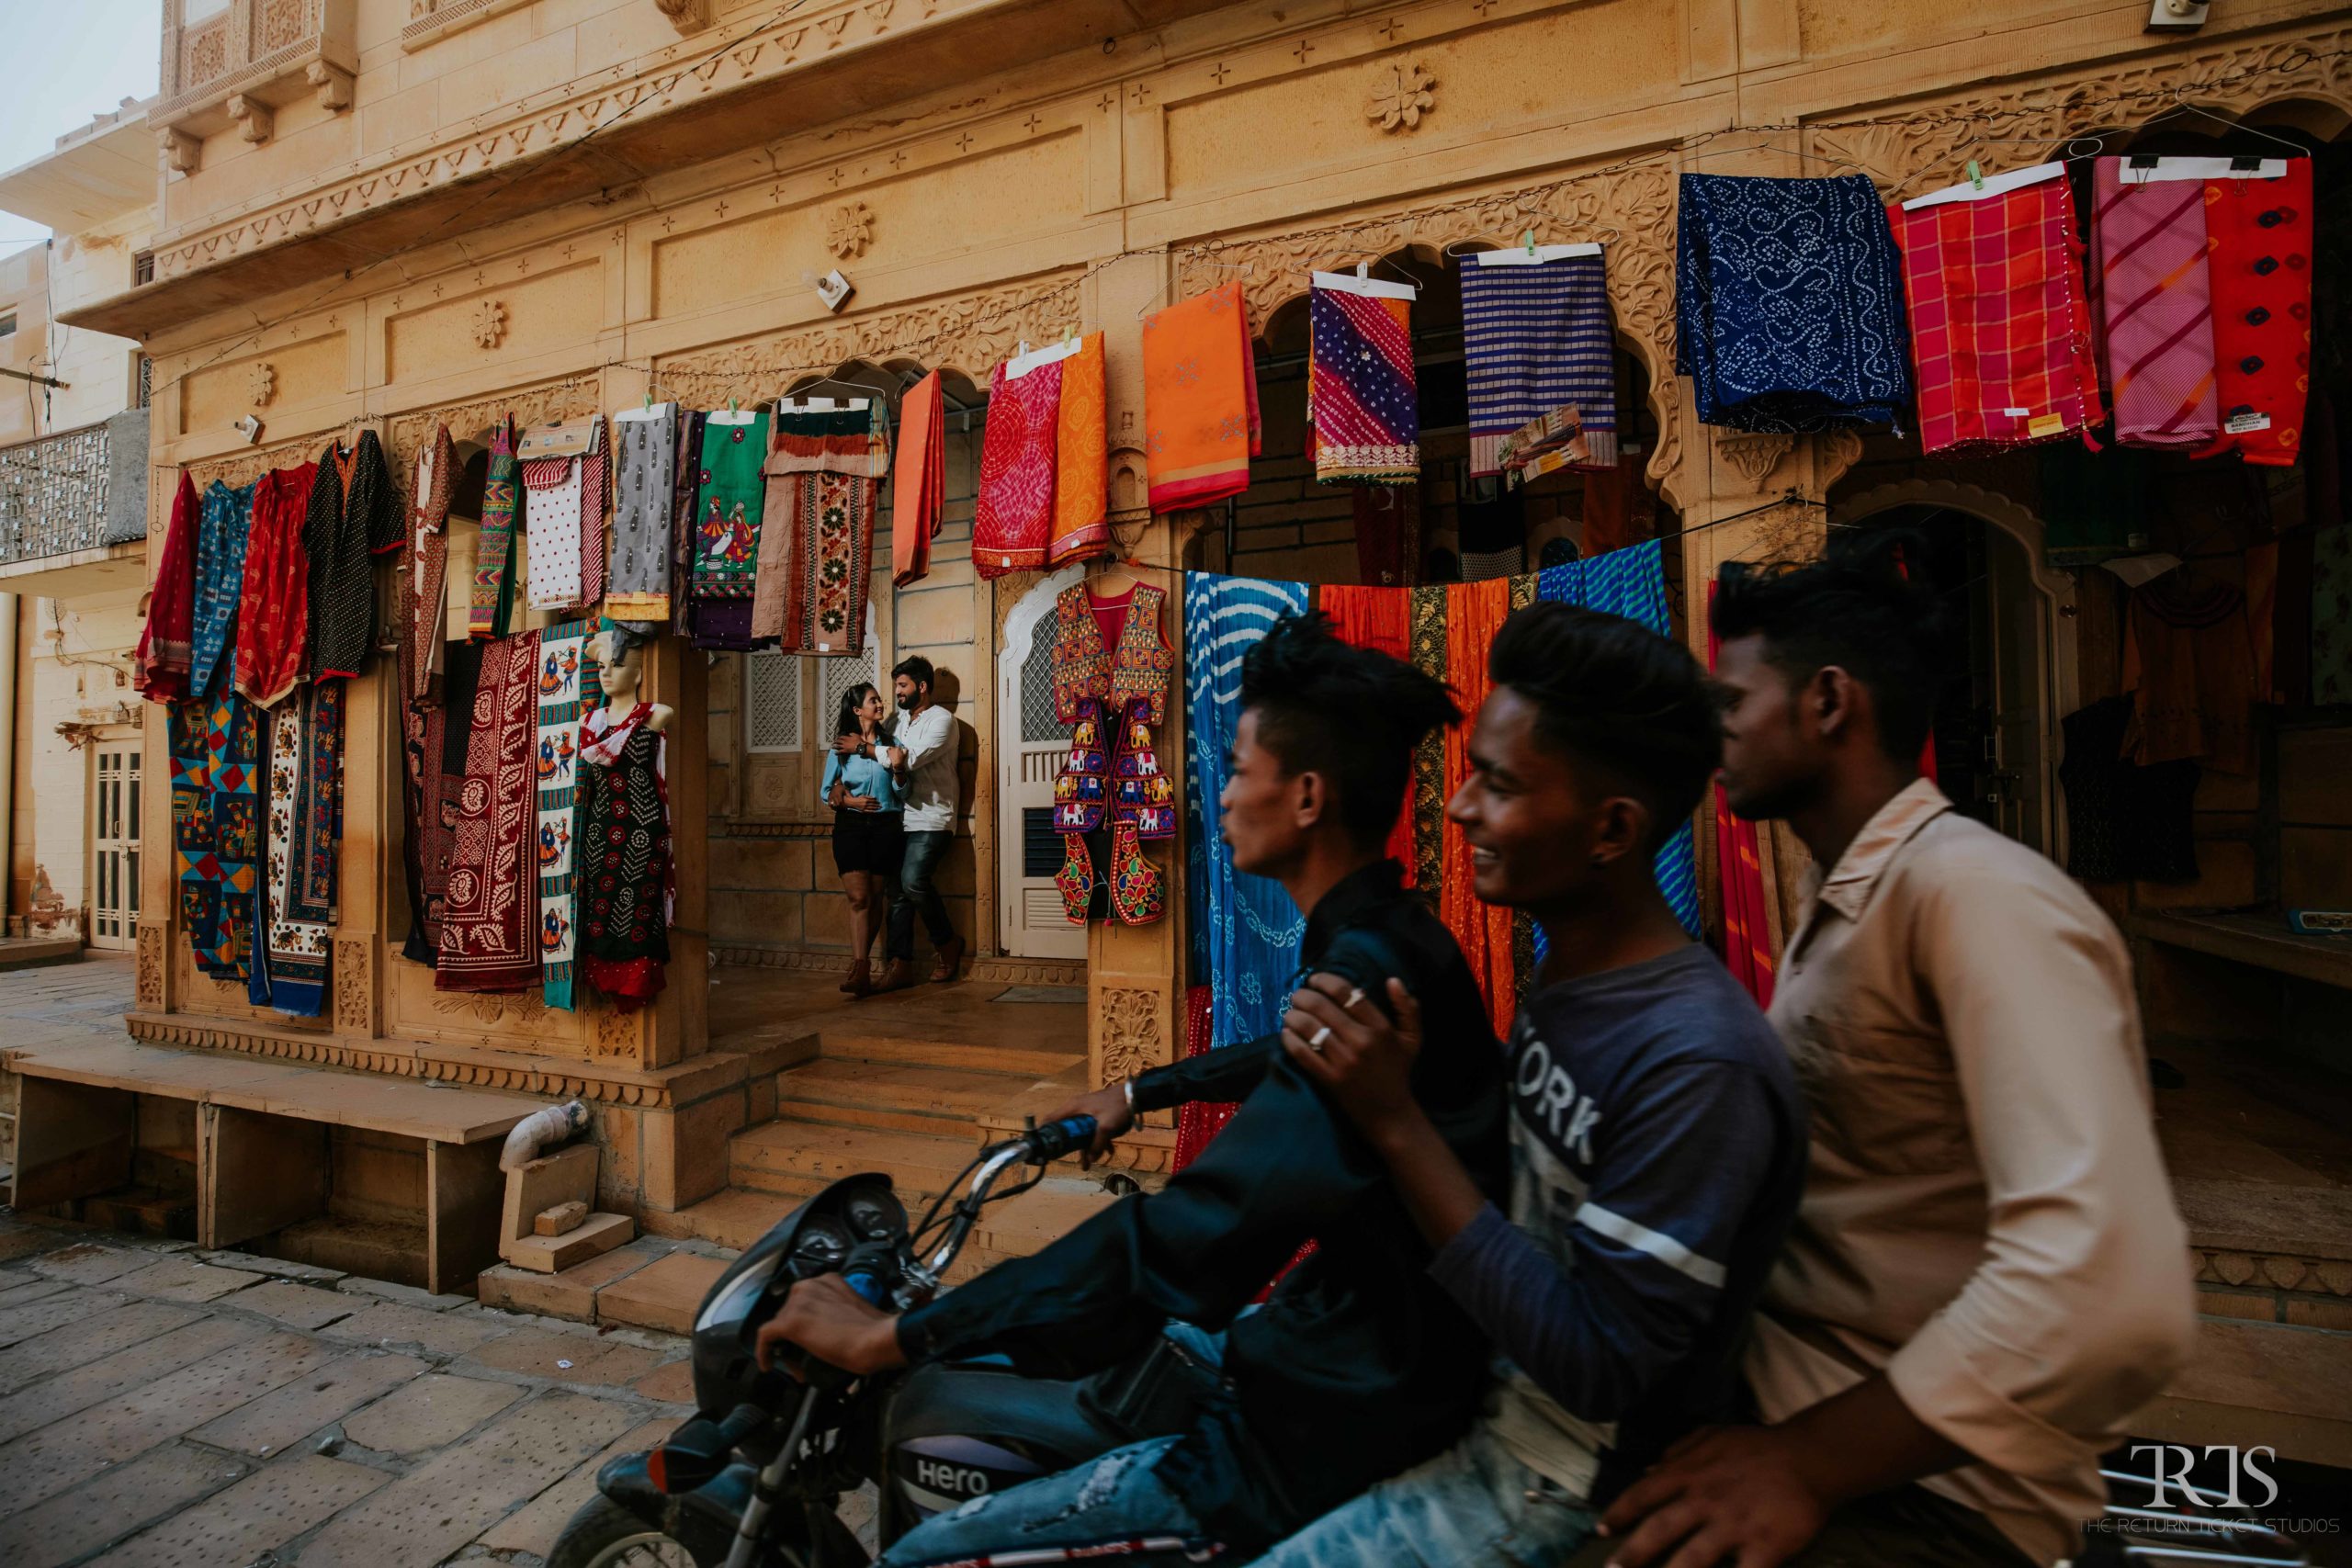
{"x": 86, "y": 57}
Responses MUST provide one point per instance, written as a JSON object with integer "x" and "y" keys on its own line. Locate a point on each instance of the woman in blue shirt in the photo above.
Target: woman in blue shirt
{"x": 866, "y": 805}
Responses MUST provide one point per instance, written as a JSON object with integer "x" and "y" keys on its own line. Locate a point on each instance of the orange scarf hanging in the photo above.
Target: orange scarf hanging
{"x": 1378, "y": 618}
{"x": 1748, "y": 935}
{"x": 1081, "y": 458}
{"x": 1475, "y": 612}
{"x": 920, "y": 485}
{"x": 1199, "y": 394}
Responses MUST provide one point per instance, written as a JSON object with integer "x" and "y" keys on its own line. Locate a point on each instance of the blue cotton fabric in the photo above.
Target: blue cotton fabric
{"x": 1789, "y": 312}
{"x": 221, "y": 531}
{"x": 1246, "y": 931}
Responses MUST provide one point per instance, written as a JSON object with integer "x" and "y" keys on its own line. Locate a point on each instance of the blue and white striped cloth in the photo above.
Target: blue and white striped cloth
{"x": 1537, "y": 337}
{"x": 1632, "y": 582}
{"x": 1245, "y": 931}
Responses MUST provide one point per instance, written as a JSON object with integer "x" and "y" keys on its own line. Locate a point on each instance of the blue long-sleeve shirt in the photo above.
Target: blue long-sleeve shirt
{"x": 1657, "y": 1154}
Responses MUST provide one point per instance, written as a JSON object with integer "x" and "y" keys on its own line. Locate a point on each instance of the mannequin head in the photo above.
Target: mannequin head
{"x": 620, "y": 668}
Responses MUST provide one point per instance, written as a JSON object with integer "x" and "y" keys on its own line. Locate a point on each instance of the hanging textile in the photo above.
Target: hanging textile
{"x": 298, "y": 889}
{"x": 2189, "y": 667}
{"x": 624, "y": 823}
{"x": 1200, "y": 395}
{"x": 563, "y": 509}
{"x": 685, "y": 506}
{"x": 1082, "y": 457}
{"x": 1198, "y": 1121}
{"x": 1788, "y": 304}
{"x": 2331, "y": 614}
{"x": 2155, "y": 306}
{"x": 354, "y": 516}
{"x": 1360, "y": 396}
{"x": 216, "y": 828}
{"x": 1388, "y": 535}
{"x": 160, "y": 667}
{"x": 441, "y": 785}
{"x": 486, "y": 942}
{"x": 1537, "y": 337}
{"x": 491, "y": 607}
{"x": 1618, "y": 510}
{"x": 1247, "y": 928}
{"x": 2000, "y": 323}
{"x": 273, "y": 602}
{"x": 1427, "y": 796}
{"x": 1380, "y": 619}
{"x": 2124, "y": 821}
{"x": 424, "y": 603}
{"x": 727, "y": 534}
{"x": 567, "y": 670}
{"x": 919, "y": 487}
{"x": 1475, "y": 612}
{"x": 816, "y": 539}
{"x": 2259, "y": 223}
{"x": 220, "y": 584}
{"x": 1632, "y": 582}
{"x": 1739, "y": 869}
{"x": 645, "y": 452}
{"x": 2094, "y": 506}
{"x": 1110, "y": 665}
{"x": 1492, "y": 532}
{"x": 1012, "y": 519}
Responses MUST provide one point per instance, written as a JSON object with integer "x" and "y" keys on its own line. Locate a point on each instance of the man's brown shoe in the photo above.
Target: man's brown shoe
{"x": 899, "y": 976}
{"x": 949, "y": 958}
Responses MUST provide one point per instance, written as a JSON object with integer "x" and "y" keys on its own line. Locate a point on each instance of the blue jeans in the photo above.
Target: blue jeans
{"x": 917, "y": 895}
{"x": 1472, "y": 1506}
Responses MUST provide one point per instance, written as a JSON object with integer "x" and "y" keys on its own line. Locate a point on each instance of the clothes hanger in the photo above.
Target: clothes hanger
{"x": 1830, "y": 160}
{"x": 1455, "y": 250}
{"x": 2182, "y": 105}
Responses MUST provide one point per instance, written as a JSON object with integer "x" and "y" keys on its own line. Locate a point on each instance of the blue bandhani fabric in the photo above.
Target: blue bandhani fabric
{"x": 1789, "y": 309}
{"x": 1537, "y": 338}
{"x": 220, "y": 536}
{"x": 1246, "y": 931}
{"x": 1632, "y": 582}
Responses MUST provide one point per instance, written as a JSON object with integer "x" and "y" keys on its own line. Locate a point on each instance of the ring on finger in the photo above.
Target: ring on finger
{"x": 1315, "y": 1041}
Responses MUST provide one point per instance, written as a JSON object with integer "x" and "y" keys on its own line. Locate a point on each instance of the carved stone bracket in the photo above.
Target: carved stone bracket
{"x": 255, "y": 120}
{"x": 183, "y": 154}
{"x": 333, "y": 83}
{"x": 686, "y": 15}
{"x": 1754, "y": 457}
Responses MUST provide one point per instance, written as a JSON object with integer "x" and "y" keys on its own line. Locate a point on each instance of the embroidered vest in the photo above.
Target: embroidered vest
{"x": 1112, "y": 698}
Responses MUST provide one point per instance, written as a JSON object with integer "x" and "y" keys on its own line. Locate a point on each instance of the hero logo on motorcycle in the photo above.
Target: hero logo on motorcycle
{"x": 939, "y": 1473}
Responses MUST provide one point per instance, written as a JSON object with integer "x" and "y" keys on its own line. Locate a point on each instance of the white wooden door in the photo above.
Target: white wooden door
{"x": 1030, "y": 749}
{"x": 114, "y": 843}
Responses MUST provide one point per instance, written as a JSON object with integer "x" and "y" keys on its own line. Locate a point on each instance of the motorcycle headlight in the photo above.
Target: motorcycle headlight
{"x": 733, "y": 1303}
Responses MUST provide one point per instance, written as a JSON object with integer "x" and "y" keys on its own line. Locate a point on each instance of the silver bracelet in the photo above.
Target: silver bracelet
{"x": 1127, "y": 1088}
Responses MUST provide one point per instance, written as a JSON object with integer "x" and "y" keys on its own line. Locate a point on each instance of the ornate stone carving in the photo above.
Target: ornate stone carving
{"x": 491, "y": 1006}
{"x": 686, "y": 15}
{"x": 149, "y": 992}
{"x": 543, "y": 404}
{"x": 1133, "y": 1041}
{"x": 617, "y": 1033}
{"x": 1754, "y": 457}
{"x": 849, "y": 230}
{"x": 243, "y": 466}
{"x": 355, "y": 987}
{"x": 1400, "y": 97}
{"x": 261, "y": 383}
{"x": 333, "y": 83}
{"x": 183, "y": 154}
{"x": 256, "y": 119}
{"x": 490, "y": 323}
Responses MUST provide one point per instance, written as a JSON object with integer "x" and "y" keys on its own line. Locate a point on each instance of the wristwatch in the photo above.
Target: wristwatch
{"x": 1127, "y": 1089}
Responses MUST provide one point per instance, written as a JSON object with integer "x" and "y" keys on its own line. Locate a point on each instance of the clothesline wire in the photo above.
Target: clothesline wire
{"x": 1207, "y": 249}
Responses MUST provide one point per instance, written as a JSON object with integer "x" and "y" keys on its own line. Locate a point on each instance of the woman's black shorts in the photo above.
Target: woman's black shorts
{"x": 869, "y": 842}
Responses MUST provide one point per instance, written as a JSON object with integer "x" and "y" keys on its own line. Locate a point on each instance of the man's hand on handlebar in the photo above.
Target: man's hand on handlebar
{"x": 1112, "y": 1118}
{"x": 827, "y": 1319}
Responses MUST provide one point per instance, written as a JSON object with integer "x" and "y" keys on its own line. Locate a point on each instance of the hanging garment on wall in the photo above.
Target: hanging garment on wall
{"x": 298, "y": 889}
{"x": 685, "y": 507}
{"x": 1380, "y": 619}
{"x": 1082, "y": 457}
{"x": 487, "y": 942}
{"x": 1012, "y": 520}
{"x": 1247, "y": 929}
{"x": 491, "y": 607}
{"x": 563, "y": 508}
{"x": 220, "y": 584}
{"x": 919, "y": 486}
{"x": 645, "y": 450}
{"x": 1360, "y": 395}
{"x": 1111, "y": 667}
{"x": 567, "y": 670}
{"x": 1618, "y": 510}
{"x": 1788, "y": 304}
{"x": 816, "y": 565}
{"x": 273, "y": 604}
{"x": 1388, "y": 535}
{"x": 1493, "y": 533}
{"x": 2094, "y": 506}
{"x": 2001, "y": 319}
{"x": 439, "y": 753}
{"x": 2188, "y": 669}
{"x": 2123, "y": 821}
{"x": 160, "y": 666}
{"x": 2259, "y": 225}
{"x": 355, "y": 515}
{"x": 2331, "y": 614}
{"x": 1475, "y": 612}
{"x": 2156, "y": 304}
{"x": 625, "y": 825}
{"x": 734, "y": 493}
{"x": 1537, "y": 335}
{"x": 216, "y": 827}
{"x": 425, "y": 597}
{"x": 1740, "y": 876}
{"x": 1198, "y": 1121}
{"x": 1200, "y": 395}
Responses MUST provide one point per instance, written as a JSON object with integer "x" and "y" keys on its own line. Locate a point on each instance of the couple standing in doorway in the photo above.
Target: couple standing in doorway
{"x": 893, "y": 792}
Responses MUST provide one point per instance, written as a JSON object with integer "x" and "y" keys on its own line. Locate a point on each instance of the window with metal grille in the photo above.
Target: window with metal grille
{"x": 143, "y": 268}
{"x": 841, "y": 675}
{"x": 146, "y": 379}
{"x": 1038, "y": 722}
{"x": 1041, "y": 847}
{"x": 772, "y": 702}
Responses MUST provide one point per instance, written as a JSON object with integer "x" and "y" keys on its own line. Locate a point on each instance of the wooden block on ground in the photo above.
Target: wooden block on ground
{"x": 562, "y": 1219}
{"x": 547, "y": 1254}
{"x": 564, "y": 1177}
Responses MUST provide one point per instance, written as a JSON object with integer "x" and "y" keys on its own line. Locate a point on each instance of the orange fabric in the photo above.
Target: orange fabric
{"x": 920, "y": 483}
{"x": 1475, "y": 612}
{"x": 1379, "y": 618}
{"x": 1082, "y": 457}
{"x": 1200, "y": 389}
{"x": 1748, "y": 935}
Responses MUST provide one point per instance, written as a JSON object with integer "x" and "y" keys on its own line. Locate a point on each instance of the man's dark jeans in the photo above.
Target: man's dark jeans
{"x": 916, "y": 893}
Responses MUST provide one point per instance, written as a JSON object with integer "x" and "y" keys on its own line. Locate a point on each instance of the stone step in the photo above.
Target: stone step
{"x": 942, "y": 1101}
{"x": 2247, "y": 1383}
{"x": 848, "y": 1044}
{"x": 798, "y": 1159}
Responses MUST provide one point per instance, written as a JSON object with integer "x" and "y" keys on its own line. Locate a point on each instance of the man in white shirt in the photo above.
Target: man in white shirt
{"x": 924, "y": 758}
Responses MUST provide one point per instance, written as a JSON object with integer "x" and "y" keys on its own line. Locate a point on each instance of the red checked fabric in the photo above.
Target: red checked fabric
{"x": 2260, "y": 231}
{"x": 2000, "y": 327}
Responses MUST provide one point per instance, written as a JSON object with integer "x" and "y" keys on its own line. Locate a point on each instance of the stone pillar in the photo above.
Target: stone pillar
{"x": 678, "y": 1025}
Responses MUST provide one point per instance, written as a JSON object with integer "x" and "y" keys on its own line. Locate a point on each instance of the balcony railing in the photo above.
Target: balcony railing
{"x": 59, "y": 495}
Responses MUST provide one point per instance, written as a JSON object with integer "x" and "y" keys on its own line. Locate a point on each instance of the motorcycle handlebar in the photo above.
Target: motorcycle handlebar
{"x": 1054, "y": 1139}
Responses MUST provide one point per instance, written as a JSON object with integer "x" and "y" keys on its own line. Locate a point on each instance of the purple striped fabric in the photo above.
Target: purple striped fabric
{"x": 1537, "y": 338}
{"x": 2155, "y": 308}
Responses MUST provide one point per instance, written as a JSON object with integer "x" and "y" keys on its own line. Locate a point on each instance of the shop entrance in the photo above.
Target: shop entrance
{"x": 1030, "y": 753}
{"x": 114, "y": 840}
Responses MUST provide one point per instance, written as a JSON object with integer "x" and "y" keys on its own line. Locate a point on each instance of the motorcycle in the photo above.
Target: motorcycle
{"x": 756, "y": 1479}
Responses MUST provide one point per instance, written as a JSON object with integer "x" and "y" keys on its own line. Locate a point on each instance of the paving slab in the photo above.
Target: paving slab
{"x": 31, "y": 1289}
{"x": 297, "y": 1306}
{"x": 284, "y": 1417}
{"x": 90, "y": 1262}
{"x": 534, "y": 1527}
{"x": 86, "y": 1338}
{"x": 427, "y": 1412}
{"x": 53, "y": 1399}
{"x": 276, "y": 1268}
{"x": 44, "y": 1462}
{"x": 439, "y": 1507}
{"x": 406, "y": 1295}
{"x": 663, "y": 1294}
{"x": 113, "y": 1504}
{"x": 672, "y": 1383}
{"x": 566, "y": 1358}
{"x": 26, "y": 1241}
{"x": 52, "y": 1311}
{"x": 185, "y": 1280}
{"x": 389, "y": 1324}
{"x": 266, "y": 1509}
